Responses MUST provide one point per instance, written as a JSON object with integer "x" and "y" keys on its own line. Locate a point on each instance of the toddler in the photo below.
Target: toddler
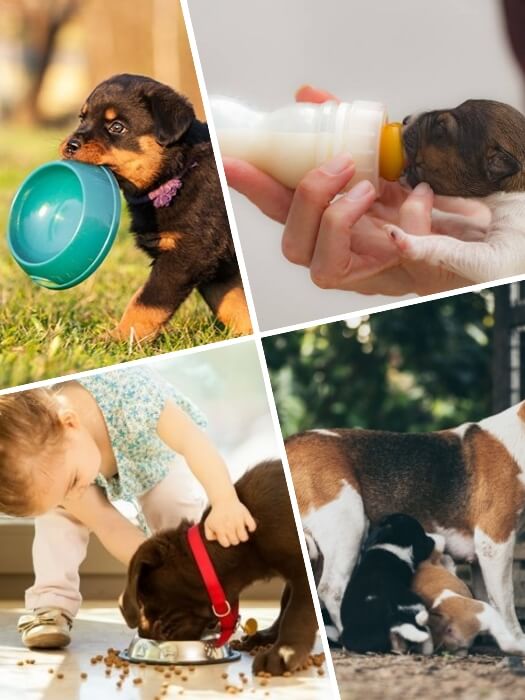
{"x": 67, "y": 451}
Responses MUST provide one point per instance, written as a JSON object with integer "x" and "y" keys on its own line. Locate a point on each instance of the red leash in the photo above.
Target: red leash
{"x": 227, "y": 615}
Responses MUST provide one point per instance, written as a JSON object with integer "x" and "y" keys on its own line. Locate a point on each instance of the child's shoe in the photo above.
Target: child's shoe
{"x": 45, "y": 628}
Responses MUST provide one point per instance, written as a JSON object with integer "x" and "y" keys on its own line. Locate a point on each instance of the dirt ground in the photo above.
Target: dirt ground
{"x": 484, "y": 675}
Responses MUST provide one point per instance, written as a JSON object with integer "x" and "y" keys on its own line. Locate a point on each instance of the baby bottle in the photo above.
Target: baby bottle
{"x": 290, "y": 141}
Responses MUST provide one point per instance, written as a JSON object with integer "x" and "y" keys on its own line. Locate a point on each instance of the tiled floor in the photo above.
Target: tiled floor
{"x": 98, "y": 627}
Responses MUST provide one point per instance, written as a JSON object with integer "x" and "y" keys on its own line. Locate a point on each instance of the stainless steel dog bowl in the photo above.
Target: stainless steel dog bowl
{"x": 192, "y": 653}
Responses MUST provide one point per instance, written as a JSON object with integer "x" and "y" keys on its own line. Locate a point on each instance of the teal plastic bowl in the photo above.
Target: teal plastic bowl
{"x": 63, "y": 222}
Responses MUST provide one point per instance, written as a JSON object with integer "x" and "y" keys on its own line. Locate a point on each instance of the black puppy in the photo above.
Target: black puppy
{"x": 379, "y": 612}
{"x": 161, "y": 155}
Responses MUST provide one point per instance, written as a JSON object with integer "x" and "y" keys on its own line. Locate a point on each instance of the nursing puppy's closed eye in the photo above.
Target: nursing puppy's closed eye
{"x": 474, "y": 149}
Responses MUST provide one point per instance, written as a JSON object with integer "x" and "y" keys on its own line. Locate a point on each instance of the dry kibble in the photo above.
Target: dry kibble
{"x": 320, "y": 671}
{"x": 142, "y": 665}
{"x": 167, "y": 675}
{"x": 50, "y": 670}
{"x": 264, "y": 681}
{"x": 19, "y": 663}
{"x": 108, "y": 672}
{"x": 30, "y": 661}
{"x": 178, "y": 671}
{"x": 184, "y": 678}
{"x": 93, "y": 660}
{"x": 119, "y": 684}
{"x": 83, "y": 676}
{"x": 60, "y": 675}
{"x": 137, "y": 681}
{"x": 191, "y": 669}
{"x": 224, "y": 675}
{"x": 287, "y": 674}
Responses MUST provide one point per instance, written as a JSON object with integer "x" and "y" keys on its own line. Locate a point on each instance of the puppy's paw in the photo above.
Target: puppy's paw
{"x": 280, "y": 658}
{"x": 404, "y": 242}
{"x": 259, "y": 639}
{"x": 132, "y": 335}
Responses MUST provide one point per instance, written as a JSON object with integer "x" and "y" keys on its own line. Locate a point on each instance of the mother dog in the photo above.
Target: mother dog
{"x": 467, "y": 483}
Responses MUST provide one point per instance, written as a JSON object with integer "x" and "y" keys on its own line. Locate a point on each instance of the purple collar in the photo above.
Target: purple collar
{"x": 162, "y": 196}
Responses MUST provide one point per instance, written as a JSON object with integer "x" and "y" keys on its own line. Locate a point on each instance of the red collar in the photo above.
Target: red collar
{"x": 227, "y": 615}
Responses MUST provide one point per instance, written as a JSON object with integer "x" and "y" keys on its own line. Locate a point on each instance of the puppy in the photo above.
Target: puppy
{"x": 456, "y": 618}
{"x": 475, "y": 150}
{"x": 165, "y": 596}
{"x": 379, "y": 612}
{"x": 161, "y": 155}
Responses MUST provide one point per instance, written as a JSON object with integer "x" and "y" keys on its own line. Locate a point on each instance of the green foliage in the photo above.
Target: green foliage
{"x": 46, "y": 334}
{"x": 424, "y": 367}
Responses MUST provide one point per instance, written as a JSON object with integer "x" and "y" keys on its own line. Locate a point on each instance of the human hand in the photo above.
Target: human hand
{"x": 343, "y": 242}
{"x": 229, "y": 522}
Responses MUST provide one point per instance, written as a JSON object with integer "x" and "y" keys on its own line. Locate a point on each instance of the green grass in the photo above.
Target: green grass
{"x": 47, "y": 334}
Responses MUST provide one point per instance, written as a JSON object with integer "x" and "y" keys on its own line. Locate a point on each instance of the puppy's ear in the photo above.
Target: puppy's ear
{"x": 521, "y": 411}
{"x": 146, "y": 557}
{"x": 172, "y": 113}
{"x": 500, "y": 164}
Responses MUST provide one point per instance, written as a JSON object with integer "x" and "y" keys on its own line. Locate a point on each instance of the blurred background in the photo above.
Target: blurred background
{"x": 408, "y": 54}
{"x": 52, "y": 54}
{"x": 425, "y": 367}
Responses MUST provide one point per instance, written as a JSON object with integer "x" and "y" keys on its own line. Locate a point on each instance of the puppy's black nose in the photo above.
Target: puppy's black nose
{"x": 73, "y": 145}
{"x": 406, "y": 119}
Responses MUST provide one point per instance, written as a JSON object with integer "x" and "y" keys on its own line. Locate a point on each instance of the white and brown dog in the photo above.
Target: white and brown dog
{"x": 456, "y": 618}
{"x": 475, "y": 150}
{"x": 467, "y": 483}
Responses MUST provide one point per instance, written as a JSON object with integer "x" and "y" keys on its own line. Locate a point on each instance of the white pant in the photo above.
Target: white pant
{"x": 60, "y": 542}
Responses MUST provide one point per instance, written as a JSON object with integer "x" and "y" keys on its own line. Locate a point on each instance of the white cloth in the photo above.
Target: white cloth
{"x": 60, "y": 542}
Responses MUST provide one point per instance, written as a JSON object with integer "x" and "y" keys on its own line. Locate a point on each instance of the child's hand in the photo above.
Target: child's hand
{"x": 229, "y": 523}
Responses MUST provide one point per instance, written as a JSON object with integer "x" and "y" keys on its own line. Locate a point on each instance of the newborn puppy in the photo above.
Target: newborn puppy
{"x": 379, "y": 612}
{"x": 455, "y": 617}
{"x": 166, "y": 598}
{"x": 475, "y": 150}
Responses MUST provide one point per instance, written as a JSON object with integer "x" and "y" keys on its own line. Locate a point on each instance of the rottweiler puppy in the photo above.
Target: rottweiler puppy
{"x": 161, "y": 155}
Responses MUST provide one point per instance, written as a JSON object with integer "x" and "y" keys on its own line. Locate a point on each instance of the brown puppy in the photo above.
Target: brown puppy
{"x": 161, "y": 155}
{"x": 475, "y": 150}
{"x": 166, "y": 599}
{"x": 456, "y": 618}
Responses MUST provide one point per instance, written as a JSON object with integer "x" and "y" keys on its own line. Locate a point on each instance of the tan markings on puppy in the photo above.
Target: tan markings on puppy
{"x": 498, "y": 496}
{"x": 228, "y": 302}
{"x": 91, "y": 152}
{"x": 145, "y": 321}
{"x": 141, "y": 168}
{"x": 521, "y": 411}
{"x": 110, "y": 114}
{"x": 432, "y": 578}
{"x": 462, "y": 622}
{"x": 168, "y": 240}
{"x": 330, "y": 453}
{"x": 84, "y": 109}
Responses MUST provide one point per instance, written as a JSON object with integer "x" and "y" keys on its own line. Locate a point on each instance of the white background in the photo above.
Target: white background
{"x": 410, "y": 54}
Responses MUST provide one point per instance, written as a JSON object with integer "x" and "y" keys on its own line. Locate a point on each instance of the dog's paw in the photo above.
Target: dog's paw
{"x": 279, "y": 659}
{"x": 259, "y": 639}
{"x": 402, "y": 240}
